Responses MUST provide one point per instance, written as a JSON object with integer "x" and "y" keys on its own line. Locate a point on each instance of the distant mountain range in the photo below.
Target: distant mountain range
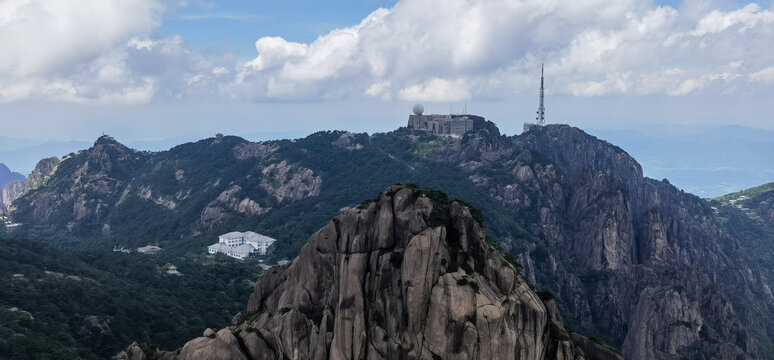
{"x": 624, "y": 254}
{"x": 705, "y": 161}
{"x": 6, "y": 175}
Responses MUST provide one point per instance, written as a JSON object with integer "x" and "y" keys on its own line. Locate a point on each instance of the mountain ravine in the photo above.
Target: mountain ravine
{"x": 648, "y": 268}
{"x": 405, "y": 276}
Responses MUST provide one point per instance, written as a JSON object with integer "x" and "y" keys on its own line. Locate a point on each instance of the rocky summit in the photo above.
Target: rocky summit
{"x": 409, "y": 275}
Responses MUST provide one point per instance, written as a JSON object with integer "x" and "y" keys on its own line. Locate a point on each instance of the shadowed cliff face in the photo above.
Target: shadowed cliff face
{"x": 402, "y": 277}
{"x": 657, "y": 268}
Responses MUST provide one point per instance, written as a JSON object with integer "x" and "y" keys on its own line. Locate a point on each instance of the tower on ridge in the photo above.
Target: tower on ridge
{"x": 540, "y": 120}
{"x": 541, "y": 112}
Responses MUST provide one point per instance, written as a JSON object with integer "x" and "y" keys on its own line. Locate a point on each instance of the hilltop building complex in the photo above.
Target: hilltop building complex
{"x": 443, "y": 125}
{"x": 240, "y": 245}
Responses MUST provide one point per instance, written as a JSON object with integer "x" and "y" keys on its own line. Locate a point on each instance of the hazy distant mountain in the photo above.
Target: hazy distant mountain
{"x": 24, "y": 154}
{"x": 705, "y": 161}
{"x": 6, "y": 175}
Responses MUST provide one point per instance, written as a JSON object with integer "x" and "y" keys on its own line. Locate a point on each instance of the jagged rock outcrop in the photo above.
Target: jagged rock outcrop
{"x": 645, "y": 247}
{"x": 88, "y": 191}
{"x": 401, "y": 277}
{"x": 43, "y": 170}
{"x": 766, "y": 207}
{"x": 9, "y": 193}
{"x": 286, "y": 182}
{"x": 230, "y": 199}
{"x": 348, "y": 141}
{"x": 253, "y": 150}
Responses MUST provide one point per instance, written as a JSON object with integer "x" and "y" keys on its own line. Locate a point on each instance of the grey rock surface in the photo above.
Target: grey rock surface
{"x": 403, "y": 277}
{"x": 9, "y": 193}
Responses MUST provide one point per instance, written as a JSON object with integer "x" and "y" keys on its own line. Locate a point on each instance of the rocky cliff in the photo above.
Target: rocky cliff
{"x": 42, "y": 171}
{"x": 766, "y": 207}
{"x": 406, "y": 276}
{"x": 12, "y": 191}
{"x": 657, "y": 267}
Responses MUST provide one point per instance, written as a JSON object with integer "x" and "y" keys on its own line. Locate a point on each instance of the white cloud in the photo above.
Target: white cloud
{"x": 418, "y": 50}
{"x": 764, "y": 75}
{"x": 380, "y": 89}
{"x": 72, "y": 50}
{"x": 436, "y": 89}
{"x": 459, "y": 50}
{"x": 747, "y": 17}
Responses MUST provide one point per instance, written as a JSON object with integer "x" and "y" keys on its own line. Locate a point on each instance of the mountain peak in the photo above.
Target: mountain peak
{"x": 106, "y": 140}
{"x": 407, "y": 275}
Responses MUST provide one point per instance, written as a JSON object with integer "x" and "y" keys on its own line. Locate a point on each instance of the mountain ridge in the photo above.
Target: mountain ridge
{"x": 576, "y": 211}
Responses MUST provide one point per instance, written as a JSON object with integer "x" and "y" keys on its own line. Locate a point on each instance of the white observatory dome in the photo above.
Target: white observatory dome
{"x": 418, "y": 109}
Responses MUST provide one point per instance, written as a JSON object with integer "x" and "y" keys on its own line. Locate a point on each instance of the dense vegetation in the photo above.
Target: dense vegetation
{"x": 756, "y": 235}
{"x": 91, "y": 303}
{"x": 749, "y": 193}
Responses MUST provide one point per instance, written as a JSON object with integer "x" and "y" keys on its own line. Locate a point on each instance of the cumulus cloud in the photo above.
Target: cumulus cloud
{"x": 72, "y": 50}
{"x": 458, "y": 50}
{"x": 418, "y": 50}
{"x": 437, "y": 89}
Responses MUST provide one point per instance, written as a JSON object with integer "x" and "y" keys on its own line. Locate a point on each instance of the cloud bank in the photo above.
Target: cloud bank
{"x": 419, "y": 50}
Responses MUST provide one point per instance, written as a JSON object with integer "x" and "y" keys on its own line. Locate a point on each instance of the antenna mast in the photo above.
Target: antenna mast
{"x": 541, "y": 112}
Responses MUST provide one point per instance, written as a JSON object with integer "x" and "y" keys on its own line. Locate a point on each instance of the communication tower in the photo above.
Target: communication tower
{"x": 541, "y": 111}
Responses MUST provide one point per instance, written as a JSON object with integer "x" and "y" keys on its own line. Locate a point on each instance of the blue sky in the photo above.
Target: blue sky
{"x": 234, "y": 25}
{"x": 172, "y": 69}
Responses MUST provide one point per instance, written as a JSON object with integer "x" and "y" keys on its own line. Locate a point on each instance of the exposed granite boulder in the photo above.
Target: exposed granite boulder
{"x": 287, "y": 182}
{"x": 348, "y": 141}
{"x": 43, "y": 170}
{"x": 230, "y": 199}
{"x": 766, "y": 207}
{"x": 253, "y": 150}
{"x": 403, "y": 277}
{"x": 222, "y": 346}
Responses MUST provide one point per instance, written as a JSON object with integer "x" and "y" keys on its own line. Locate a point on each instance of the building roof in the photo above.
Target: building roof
{"x": 219, "y": 247}
{"x": 241, "y": 249}
{"x": 232, "y": 235}
{"x": 248, "y": 236}
{"x": 149, "y": 248}
{"x": 252, "y": 236}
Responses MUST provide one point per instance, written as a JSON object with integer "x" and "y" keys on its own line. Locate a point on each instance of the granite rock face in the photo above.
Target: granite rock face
{"x": 286, "y": 182}
{"x": 43, "y": 170}
{"x": 9, "y": 193}
{"x": 659, "y": 274}
{"x": 402, "y": 277}
{"x": 766, "y": 207}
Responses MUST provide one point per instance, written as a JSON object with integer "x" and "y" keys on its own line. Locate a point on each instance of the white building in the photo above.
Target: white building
{"x": 240, "y": 245}
{"x": 150, "y": 249}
